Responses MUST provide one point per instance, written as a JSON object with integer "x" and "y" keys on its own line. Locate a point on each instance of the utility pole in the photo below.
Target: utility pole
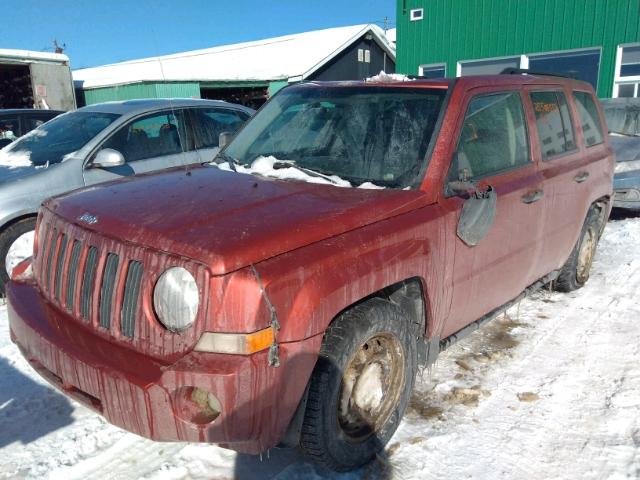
{"x": 386, "y": 24}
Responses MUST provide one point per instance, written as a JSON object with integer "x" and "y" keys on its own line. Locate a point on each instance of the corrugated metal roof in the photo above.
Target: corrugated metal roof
{"x": 280, "y": 58}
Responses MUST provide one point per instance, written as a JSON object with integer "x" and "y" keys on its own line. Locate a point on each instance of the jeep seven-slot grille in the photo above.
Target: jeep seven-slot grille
{"x": 68, "y": 274}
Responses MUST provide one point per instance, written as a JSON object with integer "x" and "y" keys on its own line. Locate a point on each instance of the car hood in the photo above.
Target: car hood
{"x": 228, "y": 220}
{"x": 9, "y": 174}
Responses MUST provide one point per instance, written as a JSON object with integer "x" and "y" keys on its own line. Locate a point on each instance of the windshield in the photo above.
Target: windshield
{"x": 360, "y": 134}
{"x": 52, "y": 141}
{"x": 623, "y": 115}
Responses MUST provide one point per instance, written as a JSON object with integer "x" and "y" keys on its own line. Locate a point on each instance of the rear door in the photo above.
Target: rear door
{"x": 148, "y": 143}
{"x": 208, "y": 123}
{"x": 568, "y": 137}
{"x": 493, "y": 149}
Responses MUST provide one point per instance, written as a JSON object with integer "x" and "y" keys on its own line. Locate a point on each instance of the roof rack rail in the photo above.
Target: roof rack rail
{"x": 519, "y": 71}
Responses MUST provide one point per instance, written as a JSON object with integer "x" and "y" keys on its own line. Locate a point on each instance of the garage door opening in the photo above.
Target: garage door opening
{"x": 252, "y": 97}
{"x": 15, "y": 87}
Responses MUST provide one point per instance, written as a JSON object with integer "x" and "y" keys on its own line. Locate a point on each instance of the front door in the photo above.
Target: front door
{"x": 153, "y": 142}
{"x": 493, "y": 150}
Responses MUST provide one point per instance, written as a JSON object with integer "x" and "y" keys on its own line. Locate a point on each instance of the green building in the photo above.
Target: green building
{"x": 594, "y": 40}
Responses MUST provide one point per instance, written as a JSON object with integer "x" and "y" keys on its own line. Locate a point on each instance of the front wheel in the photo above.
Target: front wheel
{"x": 360, "y": 386}
{"x": 16, "y": 244}
{"x": 575, "y": 272}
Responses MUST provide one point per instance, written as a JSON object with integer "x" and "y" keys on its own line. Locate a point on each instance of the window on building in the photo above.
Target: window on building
{"x": 488, "y": 66}
{"x": 416, "y": 14}
{"x": 553, "y": 121}
{"x": 627, "y": 83}
{"x": 433, "y": 71}
{"x": 581, "y": 64}
{"x": 493, "y": 137}
{"x": 591, "y": 127}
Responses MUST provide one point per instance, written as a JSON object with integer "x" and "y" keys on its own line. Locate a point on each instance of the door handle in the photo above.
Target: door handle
{"x": 532, "y": 197}
{"x": 581, "y": 177}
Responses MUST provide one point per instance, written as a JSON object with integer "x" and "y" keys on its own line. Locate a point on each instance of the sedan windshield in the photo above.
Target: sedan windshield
{"x": 369, "y": 134}
{"x": 57, "y": 138}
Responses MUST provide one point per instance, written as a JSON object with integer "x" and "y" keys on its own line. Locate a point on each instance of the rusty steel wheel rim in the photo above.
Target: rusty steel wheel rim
{"x": 372, "y": 384}
{"x": 586, "y": 254}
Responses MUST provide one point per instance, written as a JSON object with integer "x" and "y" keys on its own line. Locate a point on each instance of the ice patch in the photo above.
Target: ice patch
{"x": 265, "y": 166}
{"x": 389, "y": 77}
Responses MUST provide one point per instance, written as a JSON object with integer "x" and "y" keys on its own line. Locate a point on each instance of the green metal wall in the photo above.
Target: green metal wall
{"x": 143, "y": 90}
{"x": 454, "y": 30}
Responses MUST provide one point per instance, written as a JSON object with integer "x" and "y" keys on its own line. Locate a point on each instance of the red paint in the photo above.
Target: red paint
{"x": 317, "y": 248}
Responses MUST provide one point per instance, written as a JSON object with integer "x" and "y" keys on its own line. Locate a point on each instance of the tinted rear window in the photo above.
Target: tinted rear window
{"x": 589, "y": 117}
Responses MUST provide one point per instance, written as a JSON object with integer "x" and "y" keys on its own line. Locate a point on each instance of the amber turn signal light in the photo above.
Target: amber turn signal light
{"x": 236, "y": 343}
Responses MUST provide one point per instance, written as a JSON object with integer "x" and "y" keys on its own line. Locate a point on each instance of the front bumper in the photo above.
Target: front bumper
{"x": 626, "y": 190}
{"x": 142, "y": 395}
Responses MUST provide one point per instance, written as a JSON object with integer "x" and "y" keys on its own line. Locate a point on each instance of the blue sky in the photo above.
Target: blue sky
{"x": 106, "y": 31}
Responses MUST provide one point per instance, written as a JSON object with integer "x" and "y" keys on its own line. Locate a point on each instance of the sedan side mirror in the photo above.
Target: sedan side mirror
{"x": 224, "y": 138}
{"x": 108, "y": 158}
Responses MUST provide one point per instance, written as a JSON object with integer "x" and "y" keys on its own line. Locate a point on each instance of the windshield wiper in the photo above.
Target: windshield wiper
{"x": 312, "y": 173}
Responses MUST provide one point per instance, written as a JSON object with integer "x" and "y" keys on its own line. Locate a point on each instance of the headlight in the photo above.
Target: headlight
{"x": 175, "y": 299}
{"x": 627, "y": 166}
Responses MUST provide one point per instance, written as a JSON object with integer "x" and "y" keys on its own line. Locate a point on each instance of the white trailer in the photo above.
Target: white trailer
{"x": 35, "y": 80}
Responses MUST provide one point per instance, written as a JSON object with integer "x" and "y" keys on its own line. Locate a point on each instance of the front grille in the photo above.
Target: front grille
{"x": 106, "y": 292}
{"x": 61, "y": 254}
{"x": 101, "y": 283}
{"x": 130, "y": 301}
{"x": 87, "y": 282}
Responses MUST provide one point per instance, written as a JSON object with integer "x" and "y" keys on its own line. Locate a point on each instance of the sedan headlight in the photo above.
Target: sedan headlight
{"x": 176, "y": 299}
{"x": 627, "y": 166}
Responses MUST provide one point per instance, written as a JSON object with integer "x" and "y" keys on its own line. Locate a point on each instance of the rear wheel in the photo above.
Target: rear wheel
{"x": 575, "y": 272}
{"x": 360, "y": 386}
{"x": 16, "y": 244}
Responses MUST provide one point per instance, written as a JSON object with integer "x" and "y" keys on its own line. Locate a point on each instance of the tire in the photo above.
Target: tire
{"x": 575, "y": 272}
{"x": 7, "y": 238}
{"x": 367, "y": 365}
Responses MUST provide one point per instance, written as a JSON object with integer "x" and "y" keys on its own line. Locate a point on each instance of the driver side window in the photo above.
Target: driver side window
{"x": 152, "y": 136}
{"x": 493, "y": 138}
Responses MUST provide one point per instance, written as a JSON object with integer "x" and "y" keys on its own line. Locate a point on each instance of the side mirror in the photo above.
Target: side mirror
{"x": 108, "y": 158}
{"x": 476, "y": 218}
{"x": 224, "y": 138}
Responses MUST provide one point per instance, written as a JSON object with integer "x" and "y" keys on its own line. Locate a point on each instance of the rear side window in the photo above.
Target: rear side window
{"x": 589, "y": 117}
{"x": 553, "y": 120}
{"x": 493, "y": 137}
{"x": 209, "y": 123}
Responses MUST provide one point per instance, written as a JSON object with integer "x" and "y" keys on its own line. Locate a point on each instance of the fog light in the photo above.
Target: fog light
{"x": 196, "y": 405}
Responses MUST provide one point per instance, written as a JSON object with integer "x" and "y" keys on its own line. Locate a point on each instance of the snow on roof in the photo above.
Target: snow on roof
{"x": 29, "y": 55}
{"x": 391, "y": 35}
{"x": 281, "y": 58}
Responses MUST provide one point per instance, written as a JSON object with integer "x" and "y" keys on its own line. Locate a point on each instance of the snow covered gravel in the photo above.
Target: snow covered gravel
{"x": 551, "y": 390}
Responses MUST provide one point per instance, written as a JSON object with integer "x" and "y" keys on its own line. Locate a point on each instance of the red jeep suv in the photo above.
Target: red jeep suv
{"x": 287, "y": 292}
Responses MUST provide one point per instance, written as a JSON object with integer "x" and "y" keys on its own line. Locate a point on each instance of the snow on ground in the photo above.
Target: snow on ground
{"x": 552, "y": 390}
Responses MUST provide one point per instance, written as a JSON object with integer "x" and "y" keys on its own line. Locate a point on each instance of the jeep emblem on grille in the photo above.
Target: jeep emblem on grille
{"x": 88, "y": 218}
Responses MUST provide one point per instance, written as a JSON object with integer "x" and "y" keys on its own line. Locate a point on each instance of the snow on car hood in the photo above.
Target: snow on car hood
{"x": 228, "y": 220}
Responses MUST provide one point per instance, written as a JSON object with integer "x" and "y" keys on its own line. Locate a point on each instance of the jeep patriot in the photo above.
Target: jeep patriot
{"x": 287, "y": 292}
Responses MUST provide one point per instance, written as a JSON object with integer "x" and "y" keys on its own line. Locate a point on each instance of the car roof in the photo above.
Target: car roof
{"x": 13, "y": 111}
{"x": 144, "y": 105}
{"x": 470, "y": 81}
